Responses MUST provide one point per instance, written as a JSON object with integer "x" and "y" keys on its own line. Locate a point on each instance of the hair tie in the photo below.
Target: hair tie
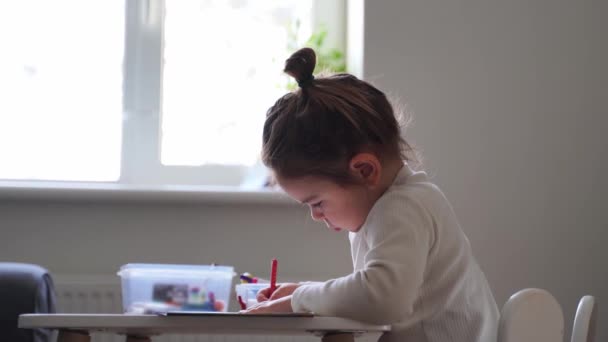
{"x": 306, "y": 82}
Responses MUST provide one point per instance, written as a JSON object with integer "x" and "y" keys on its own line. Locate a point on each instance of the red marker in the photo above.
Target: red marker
{"x": 241, "y": 303}
{"x": 273, "y": 276}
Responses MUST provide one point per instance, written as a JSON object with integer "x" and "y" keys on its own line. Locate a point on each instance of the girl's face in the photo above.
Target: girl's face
{"x": 340, "y": 207}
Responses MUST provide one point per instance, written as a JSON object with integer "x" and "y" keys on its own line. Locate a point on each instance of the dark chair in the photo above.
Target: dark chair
{"x": 24, "y": 288}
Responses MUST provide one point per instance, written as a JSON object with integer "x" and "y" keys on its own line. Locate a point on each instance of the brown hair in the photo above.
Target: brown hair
{"x": 316, "y": 129}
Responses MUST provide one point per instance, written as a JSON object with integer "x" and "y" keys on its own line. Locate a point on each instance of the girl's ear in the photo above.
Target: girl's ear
{"x": 366, "y": 168}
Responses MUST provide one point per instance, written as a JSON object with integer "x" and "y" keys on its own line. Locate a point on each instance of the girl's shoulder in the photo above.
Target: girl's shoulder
{"x": 414, "y": 186}
{"x": 412, "y": 207}
{"x": 412, "y": 194}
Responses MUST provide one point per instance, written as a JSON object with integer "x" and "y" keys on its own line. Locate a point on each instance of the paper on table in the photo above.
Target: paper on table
{"x": 207, "y": 313}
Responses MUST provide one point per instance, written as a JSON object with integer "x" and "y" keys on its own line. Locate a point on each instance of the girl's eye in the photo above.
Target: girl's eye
{"x": 317, "y": 205}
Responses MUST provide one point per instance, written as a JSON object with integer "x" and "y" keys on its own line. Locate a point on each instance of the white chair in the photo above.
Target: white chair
{"x": 583, "y": 329}
{"x": 531, "y": 315}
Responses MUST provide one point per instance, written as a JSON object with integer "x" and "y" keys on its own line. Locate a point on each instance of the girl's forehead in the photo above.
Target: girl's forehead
{"x": 304, "y": 181}
{"x": 306, "y": 187}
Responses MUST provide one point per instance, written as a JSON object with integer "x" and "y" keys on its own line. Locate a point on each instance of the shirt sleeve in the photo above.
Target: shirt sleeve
{"x": 398, "y": 233}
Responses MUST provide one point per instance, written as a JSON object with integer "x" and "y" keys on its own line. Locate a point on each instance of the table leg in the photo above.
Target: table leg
{"x": 73, "y": 336}
{"x": 138, "y": 338}
{"x": 338, "y": 337}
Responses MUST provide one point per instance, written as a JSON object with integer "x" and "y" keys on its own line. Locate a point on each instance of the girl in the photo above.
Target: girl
{"x": 335, "y": 145}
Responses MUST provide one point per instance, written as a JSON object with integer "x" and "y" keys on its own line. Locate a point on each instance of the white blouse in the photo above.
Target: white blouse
{"x": 413, "y": 269}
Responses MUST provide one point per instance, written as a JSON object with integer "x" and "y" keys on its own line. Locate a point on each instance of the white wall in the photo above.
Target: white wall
{"x": 510, "y": 113}
{"x": 97, "y": 237}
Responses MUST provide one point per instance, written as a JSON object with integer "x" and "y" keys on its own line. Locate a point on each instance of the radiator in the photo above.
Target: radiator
{"x": 103, "y": 295}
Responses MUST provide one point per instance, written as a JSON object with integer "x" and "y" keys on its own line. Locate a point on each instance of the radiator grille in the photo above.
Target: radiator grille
{"x": 104, "y": 296}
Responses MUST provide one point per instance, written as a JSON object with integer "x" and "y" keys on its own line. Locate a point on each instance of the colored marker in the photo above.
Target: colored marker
{"x": 273, "y": 276}
{"x": 248, "y": 279}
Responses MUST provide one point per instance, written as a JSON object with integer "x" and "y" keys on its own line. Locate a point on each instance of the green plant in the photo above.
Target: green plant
{"x": 329, "y": 59}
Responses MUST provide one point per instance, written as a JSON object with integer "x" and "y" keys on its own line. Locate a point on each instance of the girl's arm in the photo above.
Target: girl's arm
{"x": 399, "y": 233}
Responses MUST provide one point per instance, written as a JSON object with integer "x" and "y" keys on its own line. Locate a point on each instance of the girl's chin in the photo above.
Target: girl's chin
{"x": 335, "y": 229}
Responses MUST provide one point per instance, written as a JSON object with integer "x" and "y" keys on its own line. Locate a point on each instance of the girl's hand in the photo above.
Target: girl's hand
{"x": 283, "y": 290}
{"x": 269, "y": 306}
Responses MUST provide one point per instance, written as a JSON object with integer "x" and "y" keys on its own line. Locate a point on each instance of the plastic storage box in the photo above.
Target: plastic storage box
{"x": 150, "y": 288}
{"x": 248, "y": 292}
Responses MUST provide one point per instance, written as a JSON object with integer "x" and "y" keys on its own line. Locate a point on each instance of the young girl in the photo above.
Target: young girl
{"x": 335, "y": 145}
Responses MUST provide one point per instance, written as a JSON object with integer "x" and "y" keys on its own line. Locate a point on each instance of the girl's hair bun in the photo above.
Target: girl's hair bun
{"x": 301, "y": 65}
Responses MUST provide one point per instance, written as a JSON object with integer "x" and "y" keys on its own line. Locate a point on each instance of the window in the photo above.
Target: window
{"x": 144, "y": 92}
{"x": 60, "y": 89}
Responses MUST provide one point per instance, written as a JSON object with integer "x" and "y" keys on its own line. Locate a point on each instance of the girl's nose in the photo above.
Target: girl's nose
{"x": 316, "y": 214}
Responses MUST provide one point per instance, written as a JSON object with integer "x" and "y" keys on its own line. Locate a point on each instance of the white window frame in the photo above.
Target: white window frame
{"x": 140, "y": 161}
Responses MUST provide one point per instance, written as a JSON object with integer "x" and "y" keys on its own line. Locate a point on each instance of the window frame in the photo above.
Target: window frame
{"x": 142, "y": 91}
{"x": 140, "y": 160}
{"x": 141, "y": 144}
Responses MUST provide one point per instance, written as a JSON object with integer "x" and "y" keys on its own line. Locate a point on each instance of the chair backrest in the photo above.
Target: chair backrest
{"x": 583, "y": 329}
{"x": 531, "y": 315}
{"x": 24, "y": 288}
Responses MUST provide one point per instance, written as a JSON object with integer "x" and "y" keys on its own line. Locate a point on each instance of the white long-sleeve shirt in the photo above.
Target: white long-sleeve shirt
{"x": 413, "y": 269}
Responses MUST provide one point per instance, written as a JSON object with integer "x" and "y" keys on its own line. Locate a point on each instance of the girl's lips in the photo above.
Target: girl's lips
{"x": 331, "y": 226}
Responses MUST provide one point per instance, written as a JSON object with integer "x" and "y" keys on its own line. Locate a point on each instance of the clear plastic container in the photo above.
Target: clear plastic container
{"x": 248, "y": 292}
{"x": 151, "y": 288}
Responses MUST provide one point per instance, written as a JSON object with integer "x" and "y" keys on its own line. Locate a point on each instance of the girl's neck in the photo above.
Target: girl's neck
{"x": 389, "y": 172}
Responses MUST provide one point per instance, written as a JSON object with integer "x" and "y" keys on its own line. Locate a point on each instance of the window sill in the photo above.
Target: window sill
{"x": 95, "y": 192}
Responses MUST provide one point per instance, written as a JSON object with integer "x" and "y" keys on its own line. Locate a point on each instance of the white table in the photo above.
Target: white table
{"x": 76, "y": 327}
